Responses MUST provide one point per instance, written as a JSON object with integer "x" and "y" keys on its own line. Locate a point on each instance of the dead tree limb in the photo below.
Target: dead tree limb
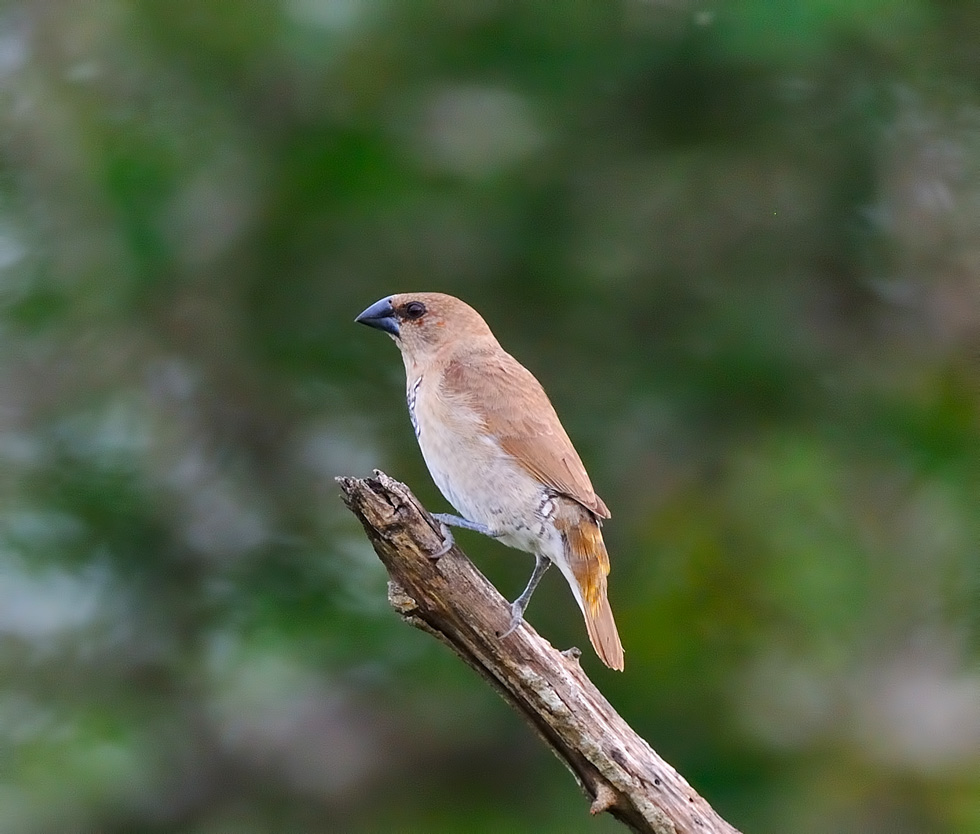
{"x": 451, "y": 599}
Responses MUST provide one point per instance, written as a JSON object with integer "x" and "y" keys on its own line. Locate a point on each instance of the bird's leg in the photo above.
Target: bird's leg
{"x": 541, "y": 564}
{"x": 447, "y": 519}
{"x": 465, "y": 523}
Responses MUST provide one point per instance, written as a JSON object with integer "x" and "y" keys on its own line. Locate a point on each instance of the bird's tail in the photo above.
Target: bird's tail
{"x": 586, "y": 571}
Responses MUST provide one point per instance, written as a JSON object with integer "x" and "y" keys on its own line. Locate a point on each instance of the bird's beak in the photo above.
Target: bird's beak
{"x": 381, "y": 315}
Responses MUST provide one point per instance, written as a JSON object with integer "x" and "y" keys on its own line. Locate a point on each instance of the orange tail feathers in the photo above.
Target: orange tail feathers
{"x": 603, "y": 634}
{"x": 589, "y": 565}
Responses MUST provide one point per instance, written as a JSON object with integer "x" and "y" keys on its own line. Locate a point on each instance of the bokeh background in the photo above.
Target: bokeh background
{"x": 738, "y": 242}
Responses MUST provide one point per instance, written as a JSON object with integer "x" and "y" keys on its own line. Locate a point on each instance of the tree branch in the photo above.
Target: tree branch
{"x": 452, "y": 600}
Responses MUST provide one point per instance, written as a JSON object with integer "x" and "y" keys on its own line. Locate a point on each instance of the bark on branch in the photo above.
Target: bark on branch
{"x": 451, "y": 599}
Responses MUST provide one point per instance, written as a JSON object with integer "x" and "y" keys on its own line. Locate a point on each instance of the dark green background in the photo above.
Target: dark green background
{"x": 739, "y": 244}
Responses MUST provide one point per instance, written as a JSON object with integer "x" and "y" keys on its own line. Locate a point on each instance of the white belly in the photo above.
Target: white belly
{"x": 477, "y": 476}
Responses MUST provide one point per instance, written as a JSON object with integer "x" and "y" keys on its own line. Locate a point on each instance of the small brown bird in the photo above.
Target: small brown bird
{"x": 498, "y": 453}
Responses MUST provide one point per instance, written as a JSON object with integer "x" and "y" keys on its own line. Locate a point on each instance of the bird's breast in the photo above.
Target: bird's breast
{"x": 468, "y": 464}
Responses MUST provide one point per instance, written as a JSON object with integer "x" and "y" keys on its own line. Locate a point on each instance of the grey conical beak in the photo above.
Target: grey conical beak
{"x": 381, "y": 315}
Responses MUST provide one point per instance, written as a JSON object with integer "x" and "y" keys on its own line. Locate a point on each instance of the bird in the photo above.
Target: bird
{"x": 498, "y": 453}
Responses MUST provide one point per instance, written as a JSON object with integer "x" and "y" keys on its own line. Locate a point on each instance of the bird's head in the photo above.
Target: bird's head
{"x": 426, "y": 323}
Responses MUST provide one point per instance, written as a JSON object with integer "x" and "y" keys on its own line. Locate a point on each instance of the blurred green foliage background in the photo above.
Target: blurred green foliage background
{"x": 738, "y": 242}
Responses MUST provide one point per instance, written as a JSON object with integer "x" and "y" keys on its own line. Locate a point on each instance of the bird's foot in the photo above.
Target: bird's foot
{"x": 519, "y": 605}
{"x": 447, "y": 542}
{"x": 516, "y": 618}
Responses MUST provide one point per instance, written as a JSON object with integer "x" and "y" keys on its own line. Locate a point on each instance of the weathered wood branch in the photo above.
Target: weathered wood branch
{"x": 449, "y": 598}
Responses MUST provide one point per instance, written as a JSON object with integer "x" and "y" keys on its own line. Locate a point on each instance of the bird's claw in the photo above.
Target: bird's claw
{"x": 447, "y": 542}
{"x": 516, "y": 618}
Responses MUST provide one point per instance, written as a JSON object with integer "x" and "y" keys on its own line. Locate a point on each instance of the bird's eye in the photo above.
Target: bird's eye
{"x": 414, "y": 310}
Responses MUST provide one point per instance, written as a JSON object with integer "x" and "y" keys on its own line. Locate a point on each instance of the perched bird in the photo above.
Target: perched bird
{"x": 498, "y": 453}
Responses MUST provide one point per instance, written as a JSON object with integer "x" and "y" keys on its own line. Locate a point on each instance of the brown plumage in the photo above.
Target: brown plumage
{"x": 497, "y": 450}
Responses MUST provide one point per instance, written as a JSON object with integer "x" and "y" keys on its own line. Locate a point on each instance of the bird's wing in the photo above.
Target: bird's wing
{"x": 517, "y": 412}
